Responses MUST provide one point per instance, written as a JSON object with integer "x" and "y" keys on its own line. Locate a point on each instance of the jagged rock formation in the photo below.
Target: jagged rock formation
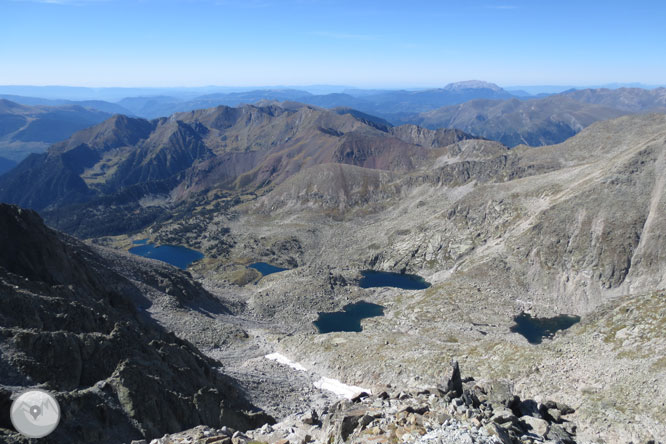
{"x": 474, "y": 412}
{"x": 72, "y": 325}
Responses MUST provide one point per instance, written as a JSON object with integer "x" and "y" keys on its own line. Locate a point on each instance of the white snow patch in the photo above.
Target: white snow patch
{"x": 282, "y": 359}
{"x": 332, "y": 385}
{"x": 337, "y": 387}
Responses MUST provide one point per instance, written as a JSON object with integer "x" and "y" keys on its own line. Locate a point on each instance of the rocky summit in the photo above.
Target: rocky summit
{"x": 317, "y": 199}
{"x": 454, "y": 411}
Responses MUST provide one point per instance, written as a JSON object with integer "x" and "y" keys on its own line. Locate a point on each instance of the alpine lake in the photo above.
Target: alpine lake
{"x": 175, "y": 255}
{"x": 349, "y": 319}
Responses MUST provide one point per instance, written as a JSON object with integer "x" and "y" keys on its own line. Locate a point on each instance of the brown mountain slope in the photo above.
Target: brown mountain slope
{"x": 299, "y": 136}
{"x": 338, "y": 186}
{"x": 237, "y": 149}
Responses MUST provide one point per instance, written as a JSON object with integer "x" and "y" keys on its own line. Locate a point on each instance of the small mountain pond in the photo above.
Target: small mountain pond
{"x": 266, "y": 269}
{"x": 175, "y": 255}
{"x": 536, "y": 329}
{"x": 349, "y": 319}
{"x": 373, "y": 278}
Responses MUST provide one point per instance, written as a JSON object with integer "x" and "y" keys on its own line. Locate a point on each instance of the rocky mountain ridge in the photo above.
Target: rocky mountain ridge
{"x": 75, "y": 326}
{"x": 236, "y": 149}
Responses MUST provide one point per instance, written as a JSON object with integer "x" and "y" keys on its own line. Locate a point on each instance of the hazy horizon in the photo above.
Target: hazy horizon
{"x": 407, "y": 86}
{"x": 116, "y": 94}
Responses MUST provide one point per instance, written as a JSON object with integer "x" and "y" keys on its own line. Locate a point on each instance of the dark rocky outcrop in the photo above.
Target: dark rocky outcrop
{"x": 451, "y": 381}
{"x": 72, "y": 325}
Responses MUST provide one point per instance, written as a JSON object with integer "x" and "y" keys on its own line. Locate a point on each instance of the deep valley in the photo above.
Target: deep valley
{"x": 298, "y": 211}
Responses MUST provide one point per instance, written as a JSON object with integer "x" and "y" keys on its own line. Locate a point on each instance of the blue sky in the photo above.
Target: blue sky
{"x": 301, "y": 42}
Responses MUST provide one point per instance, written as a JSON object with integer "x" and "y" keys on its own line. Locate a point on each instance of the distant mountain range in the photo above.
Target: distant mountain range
{"x": 254, "y": 146}
{"x": 544, "y": 121}
{"x": 27, "y": 129}
{"x": 99, "y": 105}
{"x": 479, "y": 108}
{"x": 632, "y": 100}
{"x": 151, "y": 103}
{"x": 34, "y": 124}
{"x": 384, "y": 103}
{"x": 115, "y": 94}
{"x": 514, "y": 122}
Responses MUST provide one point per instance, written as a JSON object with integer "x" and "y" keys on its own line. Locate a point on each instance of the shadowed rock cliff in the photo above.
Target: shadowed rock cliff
{"x": 71, "y": 325}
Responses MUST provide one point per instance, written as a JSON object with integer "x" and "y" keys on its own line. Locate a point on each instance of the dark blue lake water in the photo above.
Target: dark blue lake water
{"x": 536, "y": 329}
{"x": 266, "y": 269}
{"x": 349, "y": 319}
{"x": 372, "y": 278}
{"x": 140, "y": 242}
{"x": 176, "y": 255}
